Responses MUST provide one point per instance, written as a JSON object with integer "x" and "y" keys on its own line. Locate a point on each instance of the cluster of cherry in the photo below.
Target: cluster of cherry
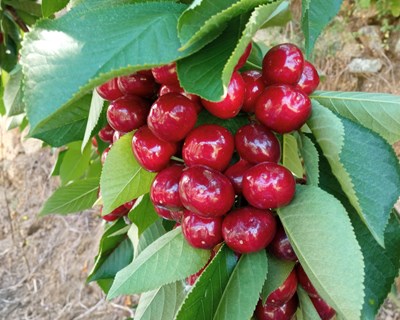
{"x": 213, "y": 199}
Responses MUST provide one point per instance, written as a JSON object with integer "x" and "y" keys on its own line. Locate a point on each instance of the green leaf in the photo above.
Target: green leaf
{"x": 290, "y": 155}
{"x": 105, "y": 284}
{"x": 123, "y": 179}
{"x": 311, "y": 160}
{"x": 96, "y": 107}
{"x": 378, "y": 112}
{"x": 323, "y": 239}
{"x": 171, "y": 254}
{"x": 316, "y": 14}
{"x": 161, "y": 303}
{"x": 74, "y": 163}
{"x": 75, "y": 197}
{"x": 60, "y": 157}
{"x": 204, "y": 297}
{"x": 151, "y": 234}
{"x": 232, "y": 124}
{"x": 143, "y": 214}
{"x": 28, "y": 6}
{"x": 49, "y": 7}
{"x": 307, "y": 308}
{"x": 13, "y": 93}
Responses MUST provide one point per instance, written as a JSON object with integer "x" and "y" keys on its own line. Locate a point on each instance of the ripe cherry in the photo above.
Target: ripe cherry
{"x": 235, "y": 173}
{"x": 104, "y": 155}
{"x": 106, "y": 134}
{"x": 230, "y": 106}
{"x": 256, "y": 144}
{"x": 166, "y": 74}
{"x": 283, "y": 64}
{"x": 280, "y": 246}
{"x": 305, "y": 282}
{"x": 117, "y": 135}
{"x": 309, "y": 79}
{"x": 94, "y": 142}
{"x": 272, "y": 312}
{"x": 169, "y": 214}
{"x": 268, "y": 185}
{"x": 138, "y": 84}
{"x": 200, "y": 232}
{"x": 172, "y": 116}
{"x": 244, "y": 57}
{"x": 116, "y": 213}
{"x": 254, "y": 86}
{"x": 210, "y": 145}
{"x": 285, "y": 292}
{"x": 283, "y": 108}
{"x": 206, "y": 191}
{"x": 128, "y": 113}
{"x": 129, "y": 205}
{"x": 177, "y": 89}
{"x": 325, "y": 311}
{"x": 110, "y": 90}
{"x": 248, "y": 229}
{"x": 152, "y": 153}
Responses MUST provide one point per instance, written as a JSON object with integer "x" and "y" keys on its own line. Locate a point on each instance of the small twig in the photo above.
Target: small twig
{"x": 16, "y": 18}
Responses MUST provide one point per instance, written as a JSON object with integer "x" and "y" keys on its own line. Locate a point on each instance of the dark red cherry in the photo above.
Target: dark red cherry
{"x": 172, "y": 116}
{"x": 325, "y": 311}
{"x": 230, "y": 106}
{"x": 256, "y": 144}
{"x": 206, "y": 191}
{"x": 169, "y": 214}
{"x": 138, "y": 84}
{"x": 129, "y": 205}
{"x": 110, "y": 90}
{"x": 280, "y": 246}
{"x": 116, "y": 213}
{"x": 268, "y": 185}
{"x": 309, "y": 79}
{"x": 273, "y": 312}
{"x": 200, "y": 232}
{"x": 128, "y": 113}
{"x": 235, "y": 173}
{"x": 254, "y": 86}
{"x": 210, "y": 145}
{"x": 177, "y": 89}
{"x": 248, "y": 229}
{"x": 104, "y": 155}
{"x": 285, "y": 292}
{"x": 166, "y": 74}
{"x": 305, "y": 282}
{"x": 244, "y": 57}
{"x": 117, "y": 135}
{"x": 283, "y": 64}
{"x": 283, "y": 108}
{"x": 152, "y": 153}
{"x": 106, "y": 134}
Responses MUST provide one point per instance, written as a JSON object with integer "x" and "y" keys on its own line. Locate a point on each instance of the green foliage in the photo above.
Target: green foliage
{"x": 143, "y": 214}
{"x": 307, "y": 309}
{"x": 49, "y": 7}
{"x": 290, "y": 155}
{"x": 74, "y": 162}
{"x": 12, "y": 96}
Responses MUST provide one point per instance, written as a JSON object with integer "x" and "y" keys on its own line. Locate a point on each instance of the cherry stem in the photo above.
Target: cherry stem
{"x": 16, "y": 18}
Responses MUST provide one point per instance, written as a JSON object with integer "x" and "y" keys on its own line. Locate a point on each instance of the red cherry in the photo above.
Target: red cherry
{"x": 203, "y": 233}
{"x": 268, "y": 185}
{"x": 129, "y": 205}
{"x": 254, "y": 86}
{"x": 169, "y": 214}
{"x": 152, "y": 153}
{"x": 244, "y": 57}
{"x": 283, "y": 64}
{"x": 248, "y": 229}
{"x": 256, "y": 144}
{"x": 210, "y": 145}
{"x": 94, "y": 142}
{"x": 305, "y": 282}
{"x": 166, "y": 74}
{"x": 172, "y": 116}
{"x": 285, "y": 292}
{"x": 105, "y": 154}
{"x": 272, "y": 312}
{"x": 117, "y": 135}
{"x": 110, "y": 90}
{"x": 116, "y": 214}
{"x": 106, "y": 134}
{"x": 235, "y": 173}
{"x": 138, "y": 84}
{"x": 325, "y": 311}
{"x": 230, "y": 106}
{"x": 283, "y": 108}
{"x": 280, "y": 246}
{"x": 128, "y": 113}
{"x": 206, "y": 191}
{"x": 309, "y": 79}
{"x": 177, "y": 89}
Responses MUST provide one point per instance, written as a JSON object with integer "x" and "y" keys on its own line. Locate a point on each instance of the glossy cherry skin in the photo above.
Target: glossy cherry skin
{"x": 273, "y": 312}
{"x": 325, "y": 311}
{"x": 244, "y": 57}
{"x": 129, "y": 205}
{"x": 152, "y": 153}
{"x": 254, "y": 86}
{"x": 200, "y": 232}
{"x": 230, "y": 106}
{"x": 285, "y": 292}
{"x": 283, "y": 108}
{"x": 235, "y": 174}
{"x": 256, "y": 144}
{"x": 169, "y": 214}
{"x": 106, "y": 134}
{"x": 280, "y": 246}
{"x": 210, "y": 145}
{"x": 110, "y": 90}
{"x": 309, "y": 79}
{"x": 206, "y": 191}
{"x": 128, "y": 113}
{"x": 248, "y": 229}
{"x": 117, "y": 135}
{"x": 172, "y": 116}
{"x": 138, "y": 84}
{"x": 166, "y": 74}
{"x": 283, "y": 64}
{"x": 104, "y": 155}
{"x": 177, "y": 89}
{"x": 305, "y": 282}
{"x": 268, "y": 185}
{"x": 116, "y": 213}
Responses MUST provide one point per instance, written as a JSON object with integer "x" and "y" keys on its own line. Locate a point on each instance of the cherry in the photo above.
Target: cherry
{"x": 273, "y": 312}
{"x": 116, "y": 213}
{"x": 280, "y": 246}
{"x": 139, "y": 84}
{"x": 117, "y": 135}
{"x": 104, "y": 155}
{"x": 210, "y": 145}
{"x": 285, "y": 292}
{"x": 283, "y": 108}
{"x": 166, "y": 74}
{"x": 244, "y": 57}
{"x": 129, "y": 205}
{"x": 106, "y": 134}
{"x": 110, "y": 90}
{"x": 177, "y": 89}
{"x": 169, "y": 214}
{"x": 254, "y": 86}
{"x": 309, "y": 79}
{"x": 268, "y": 185}
{"x": 172, "y": 116}
{"x": 94, "y": 142}
{"x": 152, "y": 153}
{"x": 203, "y": 233}
{"x": 283, "y": 64}
{"x": 206, "y": 191}
{"x": 235, "y": 173}
{"x": 248, "y": 229}
{"x": 305, "y": 282}
{"x": 256, "y": 144}
{"x": 325, "y": 311}
{"x": 230, "y": 106}
{"x": 127, "y": 113}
